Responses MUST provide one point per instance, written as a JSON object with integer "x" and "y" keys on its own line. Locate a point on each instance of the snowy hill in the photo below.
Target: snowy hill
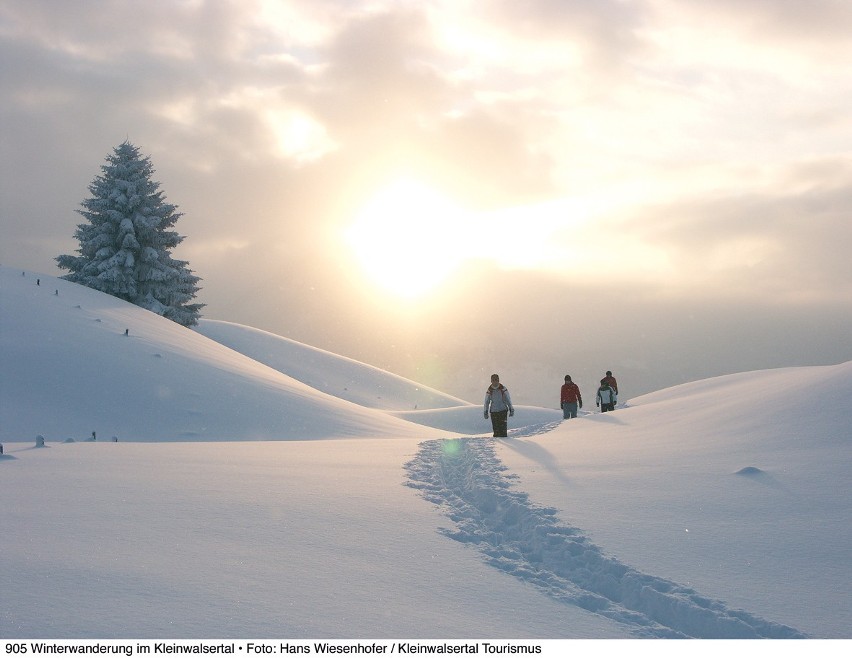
{"x": 70, "y": 369}
{"x": 363, "y": 384}
{"x": 327, "y": 372}
{"x": 717, "y": 509}
{"x": 736, "y": 486}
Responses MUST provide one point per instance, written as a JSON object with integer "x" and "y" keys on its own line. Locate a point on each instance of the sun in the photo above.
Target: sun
{"x": 409, "y": 239}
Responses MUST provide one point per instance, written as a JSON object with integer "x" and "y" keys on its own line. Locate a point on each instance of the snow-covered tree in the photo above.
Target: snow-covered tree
{"x": 125, "y": 247}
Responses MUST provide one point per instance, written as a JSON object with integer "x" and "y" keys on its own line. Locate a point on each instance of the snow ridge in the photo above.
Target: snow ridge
{"x": 465, "y": 477}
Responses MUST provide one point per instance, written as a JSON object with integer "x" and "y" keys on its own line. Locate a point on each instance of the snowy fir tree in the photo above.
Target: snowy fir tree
{"x": 125, "y": 247}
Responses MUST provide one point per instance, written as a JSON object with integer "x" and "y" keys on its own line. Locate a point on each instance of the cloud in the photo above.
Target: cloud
{"x": 821, "y": 23}
{"x": 625, "y": 156}
{"x": 606, "y": 31}
{"x": 774, "y": 245}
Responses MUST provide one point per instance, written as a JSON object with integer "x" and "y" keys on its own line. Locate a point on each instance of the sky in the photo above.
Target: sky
{"x": 449, "y": 189}
{"x": 298, "y": 495}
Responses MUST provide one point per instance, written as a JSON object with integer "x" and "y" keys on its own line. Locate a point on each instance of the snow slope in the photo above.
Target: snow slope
{"x": 363, "y": 384}
{"x": 69, "y": 369}
{"x": 715, "y": 509}
{"x": 746, "y": 478}
{"x": 333, "y": 374}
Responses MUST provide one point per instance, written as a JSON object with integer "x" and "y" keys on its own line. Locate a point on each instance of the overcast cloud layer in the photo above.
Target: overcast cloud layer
{"x": 662, "y": 188}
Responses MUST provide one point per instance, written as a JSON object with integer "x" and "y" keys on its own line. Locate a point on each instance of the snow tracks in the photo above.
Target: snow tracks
{"x": 465, "y": 478}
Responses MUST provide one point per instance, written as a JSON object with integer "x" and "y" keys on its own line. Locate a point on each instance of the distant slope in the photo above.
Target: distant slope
{"x": 763, "y": 404}
{"x": 68, "y": 369}
{"x": 333, "y": 374}
{"x": 364, "y": 384}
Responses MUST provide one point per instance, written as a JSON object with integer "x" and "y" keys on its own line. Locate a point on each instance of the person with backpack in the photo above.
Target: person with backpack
{"x": 570, "y": 398}
{"x": 498, "y": 404}
{"x": 606, "y": 398}
{"x": 609, "y": 378}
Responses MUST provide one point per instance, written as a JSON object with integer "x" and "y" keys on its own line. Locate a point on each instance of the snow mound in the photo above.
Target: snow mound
{"x": 327, "y": 372}
{"x": 789, "y": 408}
{"x": 762, "y": 394}
{"x": 77, "y": 360}
{"x": 750, "y": 471}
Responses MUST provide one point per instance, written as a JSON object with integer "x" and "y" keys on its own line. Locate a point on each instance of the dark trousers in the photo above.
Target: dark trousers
{"x": 606, "y": 407}
{"x": 499, "y": 422}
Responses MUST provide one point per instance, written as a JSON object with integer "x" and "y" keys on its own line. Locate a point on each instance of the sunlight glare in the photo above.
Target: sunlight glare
{"x": 409, "y": 239}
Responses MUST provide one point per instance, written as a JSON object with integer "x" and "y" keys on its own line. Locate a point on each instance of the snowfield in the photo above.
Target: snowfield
{"x": 243, "y": 485}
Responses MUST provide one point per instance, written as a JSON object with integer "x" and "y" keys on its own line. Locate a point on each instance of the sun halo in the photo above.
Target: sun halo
{"x": 408, "y": 239}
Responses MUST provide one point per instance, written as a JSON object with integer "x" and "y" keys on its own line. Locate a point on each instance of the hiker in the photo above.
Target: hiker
{"x": 610, "y": 379}
{"x": 499, "y": 404}
{"x": 570, "y": 398}
{"x": 606, "y": 398}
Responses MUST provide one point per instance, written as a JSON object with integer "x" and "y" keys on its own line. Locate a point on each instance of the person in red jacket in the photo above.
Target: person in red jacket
{"x": 570, "y": 398}
{"x": 609, "y": 379}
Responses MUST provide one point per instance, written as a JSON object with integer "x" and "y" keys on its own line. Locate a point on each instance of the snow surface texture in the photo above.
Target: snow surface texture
{"x": 717, "y": 508}
{"x": 465, "y": 477}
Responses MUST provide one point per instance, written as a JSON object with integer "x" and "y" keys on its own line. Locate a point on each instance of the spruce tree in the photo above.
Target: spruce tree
{"x": 125, "y": 247}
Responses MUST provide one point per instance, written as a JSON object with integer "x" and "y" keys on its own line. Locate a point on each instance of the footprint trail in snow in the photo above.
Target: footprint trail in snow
{"x": 466, "y": 479}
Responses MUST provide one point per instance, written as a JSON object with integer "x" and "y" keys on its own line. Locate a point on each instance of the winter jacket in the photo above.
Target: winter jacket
{"x": 606, "y": 395}
{"x": 610, "y": 380}
{"x": 498, "y": 399}
{"x": 570, "y": 394}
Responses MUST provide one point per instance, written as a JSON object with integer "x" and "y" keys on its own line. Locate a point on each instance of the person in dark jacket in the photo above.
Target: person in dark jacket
{"x": 498, "y": 404}
{"x": 606, "y": 398}
{"x": 610, "y": 379}
{"x": 570, "y": 398}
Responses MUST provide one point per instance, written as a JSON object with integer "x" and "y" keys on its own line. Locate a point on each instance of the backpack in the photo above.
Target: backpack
{"x": 500, "y": 389}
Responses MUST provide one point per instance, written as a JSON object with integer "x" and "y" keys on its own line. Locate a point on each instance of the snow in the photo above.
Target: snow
{"x": 327, "y": 372}
{"x": 259, "y": 487}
